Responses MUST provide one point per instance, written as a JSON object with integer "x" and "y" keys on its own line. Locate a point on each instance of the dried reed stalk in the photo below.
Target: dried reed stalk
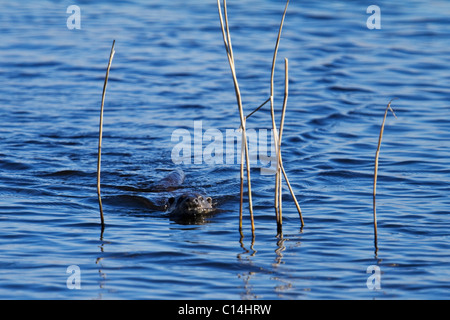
{"x": 277, "y": 137}
{"x": 280, "y": 161}
{"x": 292, "y": 193}
{"x": 376, "y": 170}
{"x": 274, "y": 127}
{"x": 283, "y": 113}
{"x": 229, "y": 50}
{"x": 101, "y": 134}
{"x": 241, "y": 203}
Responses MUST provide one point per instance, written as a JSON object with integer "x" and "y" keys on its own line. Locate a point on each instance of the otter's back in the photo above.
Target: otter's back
{"x": 171, "y": 181}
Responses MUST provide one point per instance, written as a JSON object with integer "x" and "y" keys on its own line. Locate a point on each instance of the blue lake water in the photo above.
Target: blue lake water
{"x": 169, "y": 70}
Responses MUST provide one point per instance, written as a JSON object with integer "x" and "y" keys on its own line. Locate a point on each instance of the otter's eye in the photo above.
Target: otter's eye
{"x": 209, "y": 199}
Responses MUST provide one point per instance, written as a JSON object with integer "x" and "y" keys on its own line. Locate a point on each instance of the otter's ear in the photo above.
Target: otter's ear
{"x": 209, "y": 199}
{"x": 171, "y": 200}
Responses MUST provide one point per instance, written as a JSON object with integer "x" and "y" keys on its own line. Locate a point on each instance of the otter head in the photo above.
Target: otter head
{"x": 191, "y": 204}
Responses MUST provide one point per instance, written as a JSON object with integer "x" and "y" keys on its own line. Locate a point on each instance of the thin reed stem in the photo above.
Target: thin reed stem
{"x": 241, "y": 203}
{"x": 272, "y": 112}
{"x": 261, "y": 105}
{"x": 292, "y": 193}
{"x": 229, "y": 49}
{"x": 283, "y": 114}
{"x": 101, "y": 134}
{"x": 377, "y": 153}
{"x": 276, "y": 49}
{"x": 286, "y": 93}
{"x": 379, "y": 144}
{"x": 275, "y": 139}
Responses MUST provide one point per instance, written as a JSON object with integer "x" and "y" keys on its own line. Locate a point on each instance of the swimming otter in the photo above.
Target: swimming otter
{"x": 185, "y": 207}
{"x": 189, "y": 205}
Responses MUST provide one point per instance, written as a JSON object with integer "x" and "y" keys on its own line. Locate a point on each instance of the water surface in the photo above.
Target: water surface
{"x": 169, "y": 70}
